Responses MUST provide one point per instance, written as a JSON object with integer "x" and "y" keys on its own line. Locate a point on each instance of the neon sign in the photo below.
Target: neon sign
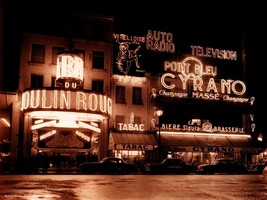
{"x": 215, "y": 53}
{"x": 133, "y": 147}
{"x": 189, "y": 72}
{"x": 69, "y": 70}
{"x": 131, "y": 127}
{"x": 130, "y": 79}
{"x": 66, "y": 100}
{"x": 160, "y": 41}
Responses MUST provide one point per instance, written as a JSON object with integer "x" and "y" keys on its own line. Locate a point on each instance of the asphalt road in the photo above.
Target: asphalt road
{"x": 132, "y": 187}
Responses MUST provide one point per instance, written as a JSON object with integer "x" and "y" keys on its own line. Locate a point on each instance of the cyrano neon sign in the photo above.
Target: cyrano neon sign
{"x": 189, "y": 72}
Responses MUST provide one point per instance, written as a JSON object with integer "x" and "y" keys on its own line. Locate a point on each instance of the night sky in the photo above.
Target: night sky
{"x": 222, "y": 24}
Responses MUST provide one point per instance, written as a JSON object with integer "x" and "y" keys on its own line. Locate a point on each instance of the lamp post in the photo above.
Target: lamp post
{"x": 260, "y": 137}
{"x": 159, "y": 114}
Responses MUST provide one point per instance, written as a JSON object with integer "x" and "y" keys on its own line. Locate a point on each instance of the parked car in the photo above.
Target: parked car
{"x": 170, "y": 165}
{"x": 222, "y": 166}
{"x": 108, "y": 165}
{"x": 260, "y": 167}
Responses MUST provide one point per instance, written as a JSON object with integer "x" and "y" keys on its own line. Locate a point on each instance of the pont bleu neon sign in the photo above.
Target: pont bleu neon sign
{"x": 190, "y": 72}
{"x": 66, "y": 100}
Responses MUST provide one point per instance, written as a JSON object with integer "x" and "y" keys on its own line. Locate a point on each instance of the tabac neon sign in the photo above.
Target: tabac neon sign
{"x": 190, "y": 72}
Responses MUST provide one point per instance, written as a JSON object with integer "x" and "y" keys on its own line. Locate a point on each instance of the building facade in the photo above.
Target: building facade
{"x": 86, "y": 92}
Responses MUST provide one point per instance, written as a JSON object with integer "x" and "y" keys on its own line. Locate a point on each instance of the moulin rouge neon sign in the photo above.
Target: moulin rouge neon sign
{"x": 189, "y": 72}
{"x": 66, "y": 100}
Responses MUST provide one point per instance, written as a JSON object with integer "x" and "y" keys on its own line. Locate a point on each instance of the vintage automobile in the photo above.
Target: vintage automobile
{"x": 260, "y": 167}
{"x": 222, "y": 166}
{"x": 108, "y": 165}
{"x": 170, "y": 166}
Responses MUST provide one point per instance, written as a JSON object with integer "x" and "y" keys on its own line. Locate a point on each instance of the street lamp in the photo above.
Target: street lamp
{"x": 159, "y": 114}
{"x": 260, "y": 137}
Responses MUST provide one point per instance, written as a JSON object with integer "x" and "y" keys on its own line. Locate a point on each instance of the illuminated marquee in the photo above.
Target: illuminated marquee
{"x": 215, "y": 53}
{"x": 213, "y": 149}
{"x": 190, "y": 72}
{"x": 129, "y": 79}
{"x": 66, "y": 100}
{"x": 133, "y": 147}
{"x": 131, "y": 127}
{"x": 69, "y": 70}
{"x": 160, "y": 41}
{"x": 215, "y": 129}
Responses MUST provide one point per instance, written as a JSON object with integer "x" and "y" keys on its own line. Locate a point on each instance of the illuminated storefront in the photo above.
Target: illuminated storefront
{"x": 64, "y": 114}
{"x": 132, "y": 146}
{"x": 65, "y": 121}
{"x": 73, "y": 102}
{"x": 205, "y": 117}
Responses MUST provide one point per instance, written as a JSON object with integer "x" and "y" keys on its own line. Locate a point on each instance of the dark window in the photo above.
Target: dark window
{"x": 99, "y": 32}
{"x": 38, "y": 53}
{"x": 98, "y": 85}
{"x": 137, "y": 95}
{"x": 120, "y": 119}
{"x": 53, "y": 82}
{"x": 98, "y": 60}
{"x": 120, "y": 94}
{"x": 82, "y": 54}
{"x": 55, "y": 51}
{"x": 36, "y": 81}
{"x": 137, "y": 120}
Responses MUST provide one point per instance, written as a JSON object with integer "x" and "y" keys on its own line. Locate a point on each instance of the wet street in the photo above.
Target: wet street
{"x": 106, "y": 187}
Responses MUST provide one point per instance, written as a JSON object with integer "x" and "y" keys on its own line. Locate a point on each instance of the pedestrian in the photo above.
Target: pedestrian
{"x": 58, "y": 162}
{"x": 45, "y": 162}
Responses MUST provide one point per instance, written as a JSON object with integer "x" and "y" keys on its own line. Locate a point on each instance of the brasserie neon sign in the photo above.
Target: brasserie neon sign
{"x": 66, "y": 100}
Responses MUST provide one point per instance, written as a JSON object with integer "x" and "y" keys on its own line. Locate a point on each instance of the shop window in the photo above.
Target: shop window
{"x": 38, "y": 53}
{"x": 98, "y": 85}
{"x": 36, "y": 81}
{"x": 55, "y": 51}
{"x": 137, "y": 95}
{"x": 120, "y": 94}
{"x": 98, "y": 60}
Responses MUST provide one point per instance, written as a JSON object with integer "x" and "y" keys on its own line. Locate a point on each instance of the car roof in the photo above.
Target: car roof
{"x": 224, "y": 159}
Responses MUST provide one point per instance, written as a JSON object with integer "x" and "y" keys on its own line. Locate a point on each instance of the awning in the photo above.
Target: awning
{"x": 240, "y": 141}
{"x": 246, "y": 145}
{"x": 178, "y": 140}
{"x": 132, "y": 141}
{"x": 218, "y": 141}
{"x": 202, "y": 143}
